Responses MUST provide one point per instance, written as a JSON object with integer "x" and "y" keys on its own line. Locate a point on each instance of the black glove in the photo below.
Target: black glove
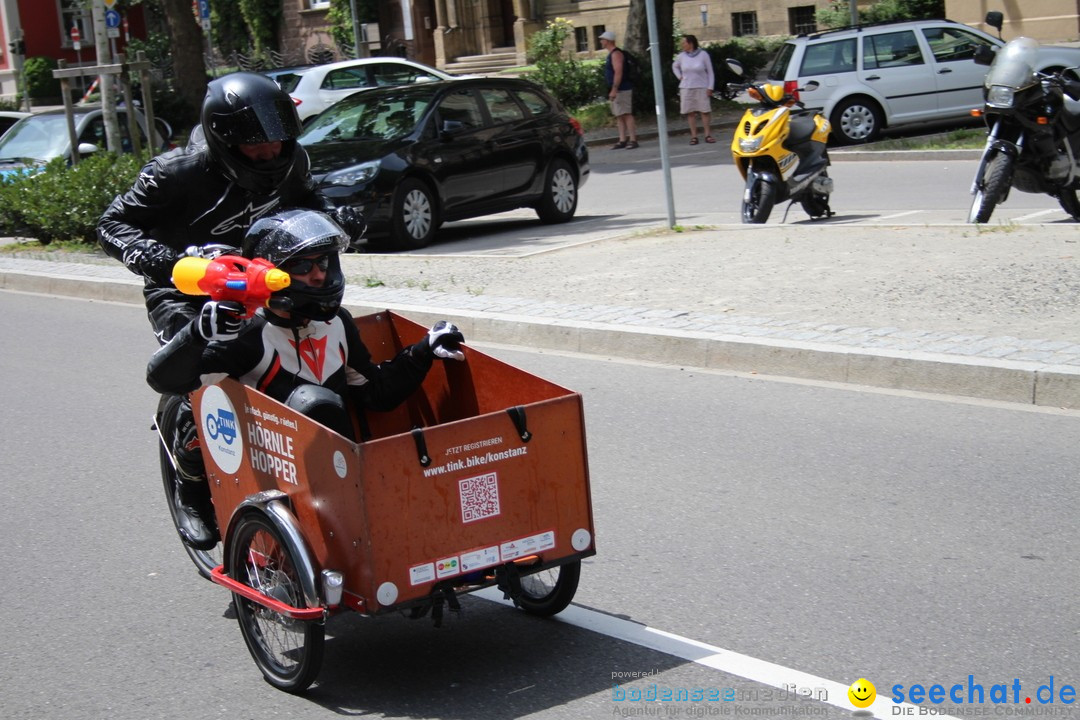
{"x": 351, "y": 221}
{"x": 444, "y": 341}
{"x": 220, "y": 320}
{"x": 157, "y": 261}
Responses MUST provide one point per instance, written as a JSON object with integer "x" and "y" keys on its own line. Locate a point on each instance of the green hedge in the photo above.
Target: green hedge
{"x": 65, "y": 203}
{"x": 40, "y": 82}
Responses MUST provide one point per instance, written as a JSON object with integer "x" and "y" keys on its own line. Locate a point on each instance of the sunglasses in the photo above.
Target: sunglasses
{"x": 302, "y": 266}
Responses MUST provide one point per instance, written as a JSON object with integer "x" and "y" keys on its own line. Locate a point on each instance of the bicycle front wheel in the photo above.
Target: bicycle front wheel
{"x": 289, "y": 652}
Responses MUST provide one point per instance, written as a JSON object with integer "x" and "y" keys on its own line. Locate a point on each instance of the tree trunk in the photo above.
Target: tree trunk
{"x": 187, "y": 45}
{"x": 637, "y": 37}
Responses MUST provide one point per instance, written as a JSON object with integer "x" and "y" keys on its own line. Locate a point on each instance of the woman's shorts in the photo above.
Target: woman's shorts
{"x": 694, "y": 100}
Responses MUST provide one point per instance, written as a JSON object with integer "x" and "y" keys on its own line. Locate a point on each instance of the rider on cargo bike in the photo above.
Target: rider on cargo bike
{"x": 465, "y": 474}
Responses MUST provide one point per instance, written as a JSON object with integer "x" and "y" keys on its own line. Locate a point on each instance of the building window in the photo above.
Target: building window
{"x": 802, "y": 20}
{"x": 597, "y": 31}
{"x": 744, "y": 23}
{"x": 318, "y": 4}
{"x": 581, "y": 39}
{"x": 71, "y": 15}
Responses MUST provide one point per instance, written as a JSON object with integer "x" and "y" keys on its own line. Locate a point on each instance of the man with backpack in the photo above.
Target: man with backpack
{"x": 618, "y": 69}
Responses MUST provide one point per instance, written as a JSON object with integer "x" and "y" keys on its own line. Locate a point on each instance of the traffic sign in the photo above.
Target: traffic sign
{"x": 109, "y": 4}
{"x": 76, "y": 36}
{"x": 112, "y": 19}
{"x": 204, "y": 9}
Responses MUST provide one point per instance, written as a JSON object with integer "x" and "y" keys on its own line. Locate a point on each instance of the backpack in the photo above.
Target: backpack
{"x": 631, "y": 70}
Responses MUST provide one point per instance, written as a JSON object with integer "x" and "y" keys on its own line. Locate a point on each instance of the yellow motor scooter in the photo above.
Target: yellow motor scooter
{"x": 780, "y": 150}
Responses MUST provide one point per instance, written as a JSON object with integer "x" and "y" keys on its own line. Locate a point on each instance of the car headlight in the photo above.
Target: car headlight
{"x": 750, "y": 144}
{"x": 1000, "y": 96}
{"x": 357, "y": 175}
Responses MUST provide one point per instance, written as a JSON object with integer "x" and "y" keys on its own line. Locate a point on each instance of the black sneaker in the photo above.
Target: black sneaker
{"x": 195, "y": 514}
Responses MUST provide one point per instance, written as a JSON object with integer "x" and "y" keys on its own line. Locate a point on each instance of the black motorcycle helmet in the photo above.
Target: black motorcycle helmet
{"x": 295, "y": 233}
{"x": 244, "y": 108}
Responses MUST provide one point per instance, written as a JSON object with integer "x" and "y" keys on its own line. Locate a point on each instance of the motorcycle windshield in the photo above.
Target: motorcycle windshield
{"x": 1014, "y": 65}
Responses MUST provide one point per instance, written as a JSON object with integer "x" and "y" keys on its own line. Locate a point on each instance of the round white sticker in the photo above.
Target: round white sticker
{"x": 581, "y": 539}
{"x": 220, "y": 430}
{"x": 387, "y": 593}
{"x": 340, "y": 466}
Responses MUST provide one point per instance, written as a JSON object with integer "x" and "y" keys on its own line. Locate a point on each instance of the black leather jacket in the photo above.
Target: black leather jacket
{"x": 182, "y": 199}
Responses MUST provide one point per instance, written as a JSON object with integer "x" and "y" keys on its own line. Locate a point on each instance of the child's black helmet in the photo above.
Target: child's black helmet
{"x": 296, "y": 233}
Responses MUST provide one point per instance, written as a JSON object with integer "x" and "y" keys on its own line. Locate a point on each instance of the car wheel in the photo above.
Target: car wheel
{"x": 559, "y": 202}
{"x": 857, "y": 120}
{"x": 415, "y": 216}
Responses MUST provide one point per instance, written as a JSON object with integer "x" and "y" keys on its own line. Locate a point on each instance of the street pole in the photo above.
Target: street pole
{"x": 108, "y": 93}
{"x": 661, "y": 110}
{"x": 359, "y": 49}
{"x": 854, "y": 6}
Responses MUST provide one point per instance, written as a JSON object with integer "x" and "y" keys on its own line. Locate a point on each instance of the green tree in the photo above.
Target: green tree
{"x": 637, "y": 41}
{"x": 189, "y": 70}
{"x": 228, "y": 28}
{"x": 838, "y": 12}
{"x": 262, "y": 17}
{"x": 340, "y": 19}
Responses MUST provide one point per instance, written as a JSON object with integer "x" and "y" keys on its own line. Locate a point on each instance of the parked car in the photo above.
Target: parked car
{"x": 286, "y": 76}
{"x": 9, "y": 118}
{"x": 872, "y": 77}
{"x": 414, "y": 156}
{"x": 318, "y": 87}
{"x": 35, "y": 140}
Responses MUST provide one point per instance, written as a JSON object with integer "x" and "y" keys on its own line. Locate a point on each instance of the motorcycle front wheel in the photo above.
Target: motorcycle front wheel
{"x": 758, "y": 202}
{"x": 995, "y": 184}
{"x": 289, "y": 652}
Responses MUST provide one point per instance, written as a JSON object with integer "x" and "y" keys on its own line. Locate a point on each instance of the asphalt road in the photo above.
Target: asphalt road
{"x": 824, "y": 534}
{"x": 626, "y": 194}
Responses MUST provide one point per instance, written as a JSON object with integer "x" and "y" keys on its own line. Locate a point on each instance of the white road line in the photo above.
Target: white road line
{"x": 896, "y": 215}
{"x": 1033, "y": 215}
{"x": 710, "y": 656}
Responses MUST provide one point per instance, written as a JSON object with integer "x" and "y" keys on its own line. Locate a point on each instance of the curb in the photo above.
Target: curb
{"x": 1026, "y": 383}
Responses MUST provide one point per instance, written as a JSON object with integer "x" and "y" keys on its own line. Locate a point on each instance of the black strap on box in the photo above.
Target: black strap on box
{"x": 517, "y": 414}
{"x": 421, "y": 447}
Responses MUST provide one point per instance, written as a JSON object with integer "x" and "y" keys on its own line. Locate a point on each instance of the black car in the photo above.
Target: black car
{"x": 413, "y": 157}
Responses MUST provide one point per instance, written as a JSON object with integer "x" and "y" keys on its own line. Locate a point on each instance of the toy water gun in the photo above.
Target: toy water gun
{"x": 229, "y": 277}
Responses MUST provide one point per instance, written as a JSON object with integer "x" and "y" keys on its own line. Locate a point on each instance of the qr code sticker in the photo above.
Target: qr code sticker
{"x": 479, "y": 497}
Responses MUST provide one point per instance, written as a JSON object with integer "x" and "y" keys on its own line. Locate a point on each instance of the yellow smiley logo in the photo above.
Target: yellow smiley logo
{"x": 862, "y": 693}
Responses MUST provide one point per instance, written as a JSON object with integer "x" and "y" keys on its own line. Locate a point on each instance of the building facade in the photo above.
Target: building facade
{"x": 1048, "y": 21}
{"x": 45, "y": 29}
{"x": 441, "y": 32}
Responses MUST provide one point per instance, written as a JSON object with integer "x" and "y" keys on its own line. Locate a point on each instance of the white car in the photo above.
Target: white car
{"x": 885, "y": 75}
{"x": 9, "y": 118}
{"x": 316, "y": 88}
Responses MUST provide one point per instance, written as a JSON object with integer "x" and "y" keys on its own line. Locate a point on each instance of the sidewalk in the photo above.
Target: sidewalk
{"x": 938, "y": 309}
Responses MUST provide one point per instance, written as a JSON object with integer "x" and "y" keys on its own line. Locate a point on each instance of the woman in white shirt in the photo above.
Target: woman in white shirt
{"x": 694, "y": 69}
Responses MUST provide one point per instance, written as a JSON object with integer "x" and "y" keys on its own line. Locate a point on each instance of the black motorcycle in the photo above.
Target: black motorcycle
{"x": 1033, "y": 140}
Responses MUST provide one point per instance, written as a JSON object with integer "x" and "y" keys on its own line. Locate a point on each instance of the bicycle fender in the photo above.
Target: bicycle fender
{"x": 274, "y": 505}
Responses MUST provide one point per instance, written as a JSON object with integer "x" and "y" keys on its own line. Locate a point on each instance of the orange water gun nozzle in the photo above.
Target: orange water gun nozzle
{"x": 229, "y": 277}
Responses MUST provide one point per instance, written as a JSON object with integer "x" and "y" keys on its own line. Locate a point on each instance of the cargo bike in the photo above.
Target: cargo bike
{"x": 480, "y": 479}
